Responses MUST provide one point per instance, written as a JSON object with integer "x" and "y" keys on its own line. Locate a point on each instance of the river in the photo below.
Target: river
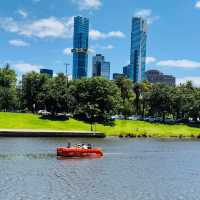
{"x": 132, "y": 169}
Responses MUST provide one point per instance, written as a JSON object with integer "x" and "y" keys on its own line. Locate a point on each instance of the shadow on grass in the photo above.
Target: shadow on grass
{"x": 55, "y": 118}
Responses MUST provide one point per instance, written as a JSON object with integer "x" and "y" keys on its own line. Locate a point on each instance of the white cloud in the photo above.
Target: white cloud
{"x": 26, "y": 67}
{"x": 23, "y": 13}
{"x": 180, "y": 63}
{"x": 19, "y": 43}
{"x": 43, "y": 28}
{"x": 108, "y": 47}
{"x": 197, "y": 5}
{"x": 195, "y": 80}
{"x": 67, "y": 51}
{"x": 97, "y": 35}
{"x": 147, "y": 14}
{"x": 91, "y": 50}
{"x": 88, "y": 4}
{"x": 150, "y": 60}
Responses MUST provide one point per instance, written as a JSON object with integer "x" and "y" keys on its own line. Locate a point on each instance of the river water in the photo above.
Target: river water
{"x": 144, "y": 169}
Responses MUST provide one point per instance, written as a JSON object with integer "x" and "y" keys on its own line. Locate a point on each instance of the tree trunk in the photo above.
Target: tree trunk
{"x": 163, "y": 117}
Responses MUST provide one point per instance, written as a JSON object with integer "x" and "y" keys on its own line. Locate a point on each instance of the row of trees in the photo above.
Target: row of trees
{"x": 96, "y": 99}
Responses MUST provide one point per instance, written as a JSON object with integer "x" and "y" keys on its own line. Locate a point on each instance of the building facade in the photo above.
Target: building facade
{"x": 118, "y": 75}
{"x": 128, "y": 71}
{"x": 100, "y": 67}
{"x": 80, "y": 47}
{"x": 138, "y": 48}
{"x": 49, "y": 72}
{"x": 155, "y": 76}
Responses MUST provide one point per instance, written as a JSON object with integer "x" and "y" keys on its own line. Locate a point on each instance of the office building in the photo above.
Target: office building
{"x": 49, "y": 72}
{"x": 128, "y": 71}
{"x": 80, "y": 47}
{"x": 100, "y": 67}
{"x": 155, "y": 76}
{"x": 118, "y": 75}
{"x": 138, "y": 48}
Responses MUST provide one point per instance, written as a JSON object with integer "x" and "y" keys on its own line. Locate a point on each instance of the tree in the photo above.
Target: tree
{"x": 96, "y": 99}
{"x": 137, "y": 91}
{"x": 126, "y": 88}
{"x": 32, "y": 86}
{"x": 160, "y": 100}
{"x": 7, "y": 88}
{"x": 56, "y": 97}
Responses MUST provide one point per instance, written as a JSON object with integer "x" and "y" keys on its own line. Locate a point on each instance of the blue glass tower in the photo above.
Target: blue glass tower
{"x": 100, "y": 67}
{"x": 128, "y": 71}
{"x": 138, "y": 48}
{"x": 80, "y": 47}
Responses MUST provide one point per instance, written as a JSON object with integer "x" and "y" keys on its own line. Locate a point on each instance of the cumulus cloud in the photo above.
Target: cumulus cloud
{"x": 18, "y": 43}
{"x": 67, "y": 51}
{"x": 51, "y": 27}
{"x": 150, "y": 60}
{"x": 23, "y": 13}
{"x": 88, "y": 4}
{"x": 97, "y": 35}
{"x": 180, "y": 63}
{"x": 197, "y": 5}
{"x": 195, "y": 80}
{"x": 26, "y": 67}
{"x": 147, "y": 14}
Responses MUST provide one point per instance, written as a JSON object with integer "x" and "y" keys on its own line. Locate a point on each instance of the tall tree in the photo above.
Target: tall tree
{"x": 7, "y": 88}
{"x": 32, "y": 86}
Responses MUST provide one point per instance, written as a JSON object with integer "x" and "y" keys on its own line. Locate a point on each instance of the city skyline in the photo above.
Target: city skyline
{"x": 38, "y": 34}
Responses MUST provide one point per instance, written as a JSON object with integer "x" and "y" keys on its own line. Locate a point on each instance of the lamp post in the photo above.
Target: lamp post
{"x": 67, "y": 65}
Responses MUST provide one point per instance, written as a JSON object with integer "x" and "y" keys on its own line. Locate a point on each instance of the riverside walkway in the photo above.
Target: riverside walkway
{"x": 48, "y": 133}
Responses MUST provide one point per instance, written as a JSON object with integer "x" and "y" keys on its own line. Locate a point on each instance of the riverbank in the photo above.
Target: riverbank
{"x": 49, "y": 133}
{"x": 121, "y": 127}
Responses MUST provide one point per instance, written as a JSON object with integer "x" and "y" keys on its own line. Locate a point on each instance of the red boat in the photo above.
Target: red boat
{"x": 79, "y": 151}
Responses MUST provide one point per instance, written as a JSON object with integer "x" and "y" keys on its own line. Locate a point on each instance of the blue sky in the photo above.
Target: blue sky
{"x": 38, "y": 33}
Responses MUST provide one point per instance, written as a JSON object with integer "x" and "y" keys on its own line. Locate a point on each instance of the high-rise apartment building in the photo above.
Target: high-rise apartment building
{"x": 80, "y": 47}
{"x": 100, "y": 67}
{"x": 138, "y": 48}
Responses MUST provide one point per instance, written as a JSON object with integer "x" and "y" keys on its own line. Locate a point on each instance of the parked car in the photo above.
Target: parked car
{"x": 43, "y": 112}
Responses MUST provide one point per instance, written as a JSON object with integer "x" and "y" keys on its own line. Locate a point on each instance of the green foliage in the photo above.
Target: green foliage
{"x": 55, "y": 95}
{"x": 96, "y": 99}
{"x": 7, "y": 88}
{"x": 32, "y": 87}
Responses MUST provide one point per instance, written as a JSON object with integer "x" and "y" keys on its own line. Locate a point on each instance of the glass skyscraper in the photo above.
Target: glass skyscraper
{"x": 80, "y": 47}
{"x": 138, "y": 48}
{"x": 100, "y": 67}
{"x": 128, "y": 71}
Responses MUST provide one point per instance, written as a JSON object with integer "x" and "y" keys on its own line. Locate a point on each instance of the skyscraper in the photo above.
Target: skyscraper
{"x": 100, "y": 67}
{"x": 128, "y": 71}
{"x": 80, "y": 47}
{"x": 138, "y": 48}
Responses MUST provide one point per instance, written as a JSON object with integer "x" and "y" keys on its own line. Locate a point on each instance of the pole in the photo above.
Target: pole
{"x": 67, "y": 72}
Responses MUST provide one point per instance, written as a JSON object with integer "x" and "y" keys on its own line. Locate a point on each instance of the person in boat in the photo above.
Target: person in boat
{"x": 69, "y": 145}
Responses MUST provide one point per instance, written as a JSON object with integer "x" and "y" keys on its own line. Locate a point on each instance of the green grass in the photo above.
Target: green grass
{"x": 30, "y": 121}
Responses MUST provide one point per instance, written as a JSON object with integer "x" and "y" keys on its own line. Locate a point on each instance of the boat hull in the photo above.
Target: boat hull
{"x": 79, "y": 152}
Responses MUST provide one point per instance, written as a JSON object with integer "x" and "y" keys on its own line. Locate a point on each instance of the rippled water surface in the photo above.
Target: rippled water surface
{"x": 130, "y": 170}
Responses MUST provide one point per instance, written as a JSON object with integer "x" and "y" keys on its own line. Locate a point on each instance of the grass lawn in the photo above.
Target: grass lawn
{"x": 30, "y": 121}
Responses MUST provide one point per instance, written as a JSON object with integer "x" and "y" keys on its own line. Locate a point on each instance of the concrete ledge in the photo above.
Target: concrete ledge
{"x": 48, "y": 133}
